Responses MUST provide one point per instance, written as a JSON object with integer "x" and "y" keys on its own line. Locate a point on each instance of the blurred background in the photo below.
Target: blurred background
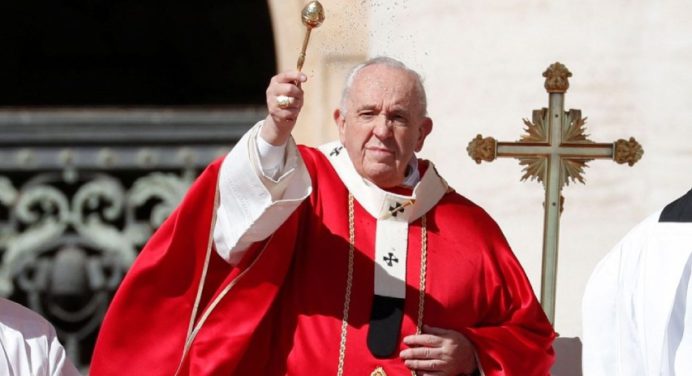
{"x": 110, "y": 109}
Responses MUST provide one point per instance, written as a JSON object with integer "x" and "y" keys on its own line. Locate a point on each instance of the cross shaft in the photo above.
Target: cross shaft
{"x": 554, "y": 150}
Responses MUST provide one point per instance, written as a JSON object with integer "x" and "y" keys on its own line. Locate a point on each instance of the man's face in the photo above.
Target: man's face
{"x": 384, "y": 124}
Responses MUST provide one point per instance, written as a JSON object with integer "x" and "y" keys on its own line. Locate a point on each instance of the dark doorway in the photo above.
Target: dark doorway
{"x": 67, "y": 53}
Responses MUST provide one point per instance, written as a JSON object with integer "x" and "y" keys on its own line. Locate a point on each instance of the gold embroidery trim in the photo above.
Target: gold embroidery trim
{"x": 423, "y": 275}
{"x": 349, "y": 284}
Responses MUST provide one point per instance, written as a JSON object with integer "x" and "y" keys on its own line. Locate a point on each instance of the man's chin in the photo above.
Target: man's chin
{"x": 383, "y": 179}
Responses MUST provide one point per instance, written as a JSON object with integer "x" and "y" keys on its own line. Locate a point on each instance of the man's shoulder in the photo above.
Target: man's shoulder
{"x": 17, "y": 318}
{"x": 319, "y": 151}
{"x": 455, "y": 207}
{"x": 315, "y": 158}
{"x": 309, "y": 151}
{"x": 679, "y": 210}
{"x": 458, "y": 203}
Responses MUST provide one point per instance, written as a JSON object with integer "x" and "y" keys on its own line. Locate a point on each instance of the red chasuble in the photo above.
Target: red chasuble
{"x": 280, "y": 311}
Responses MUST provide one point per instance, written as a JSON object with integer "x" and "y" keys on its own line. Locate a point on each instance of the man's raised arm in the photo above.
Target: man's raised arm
{"x": 263, "y": 179}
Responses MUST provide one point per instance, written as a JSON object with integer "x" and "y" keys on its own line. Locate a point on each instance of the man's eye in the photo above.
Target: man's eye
{"x": 366, "y": 115}
{"x": 401, "y": 119}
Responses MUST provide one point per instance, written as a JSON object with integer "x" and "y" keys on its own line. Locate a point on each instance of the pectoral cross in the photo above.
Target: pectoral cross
{"x": 396, "y": 209}
{"x": 554, "y": 150}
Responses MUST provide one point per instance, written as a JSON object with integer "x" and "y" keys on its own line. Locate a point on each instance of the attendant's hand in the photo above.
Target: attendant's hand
{"x": 282, "y": 117}
{"x": 439, "y": 352}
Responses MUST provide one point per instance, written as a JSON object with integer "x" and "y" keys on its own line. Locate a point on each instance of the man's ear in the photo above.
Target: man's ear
{"x": 340, "y": 121}
{"x": 425, "y": 129}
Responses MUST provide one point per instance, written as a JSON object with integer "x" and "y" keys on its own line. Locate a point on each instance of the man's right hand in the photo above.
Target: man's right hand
{"x": 281, "y": 120}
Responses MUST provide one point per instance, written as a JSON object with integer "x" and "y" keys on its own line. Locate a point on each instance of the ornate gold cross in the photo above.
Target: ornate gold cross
{"x": 554, "y": 150}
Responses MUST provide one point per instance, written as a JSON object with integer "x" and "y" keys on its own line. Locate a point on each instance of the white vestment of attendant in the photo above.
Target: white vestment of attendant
{"x": 637, "y": 307}
{"x": 29, "y": 345}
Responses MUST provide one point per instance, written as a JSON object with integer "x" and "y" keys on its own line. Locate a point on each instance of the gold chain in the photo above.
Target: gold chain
{"x": 349, "y": 284}
{"x": 423, "y": 274}
{"x": 349, "y": 281}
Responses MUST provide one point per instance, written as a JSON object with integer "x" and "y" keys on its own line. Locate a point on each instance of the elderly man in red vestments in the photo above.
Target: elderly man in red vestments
{"x": 354, "y": 258}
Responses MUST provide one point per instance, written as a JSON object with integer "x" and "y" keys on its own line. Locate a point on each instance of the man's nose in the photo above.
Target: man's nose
{"x": 383, "y": 127}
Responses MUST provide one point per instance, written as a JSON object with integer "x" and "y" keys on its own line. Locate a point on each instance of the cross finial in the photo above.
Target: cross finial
{"x": 482, "y": 149}
{"x": 557, "y": 78}
{"x": 628, "y": 151}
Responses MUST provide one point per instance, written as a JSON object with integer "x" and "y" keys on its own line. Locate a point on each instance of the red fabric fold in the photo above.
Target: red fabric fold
{"x": 283, "y": 316}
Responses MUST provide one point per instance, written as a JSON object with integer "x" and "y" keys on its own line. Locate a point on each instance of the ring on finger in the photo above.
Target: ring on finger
{"x": 284, "y": 101}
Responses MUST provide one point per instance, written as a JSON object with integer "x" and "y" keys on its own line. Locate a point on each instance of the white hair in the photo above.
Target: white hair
{"x": 389, "y": 62}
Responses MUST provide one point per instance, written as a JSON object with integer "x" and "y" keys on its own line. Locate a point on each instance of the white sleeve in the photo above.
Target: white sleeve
{"x": 272, "y": 158}
{"x": 683, "y": 361}
{"x": 599, "y": 318}
{"x": 60, "y": 364}
{"x": 612, "y": 330}
{"x": 252, "y": 204}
